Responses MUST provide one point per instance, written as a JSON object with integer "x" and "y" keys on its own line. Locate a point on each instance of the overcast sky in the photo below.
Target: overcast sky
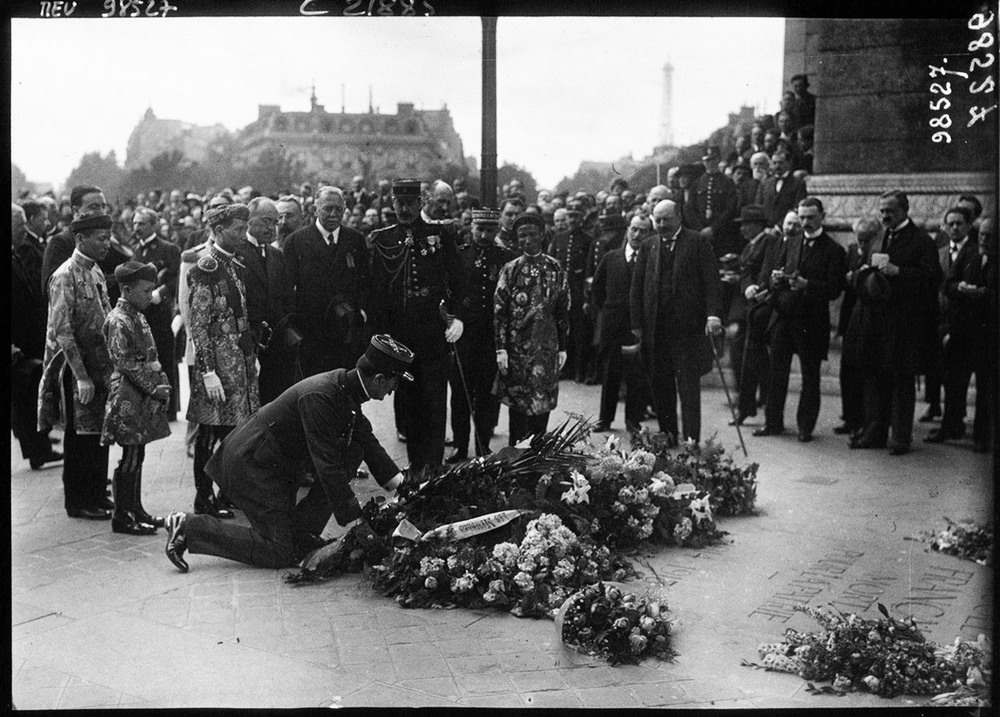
{"x": 569, "y": 89}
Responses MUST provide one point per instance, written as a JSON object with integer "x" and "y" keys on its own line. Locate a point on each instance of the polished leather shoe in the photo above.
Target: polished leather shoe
{"x": 175, "y": 541}
{"x": 844, "y": 429}
{"x": 805, "y": 437}
{"x": 89, "y": 513}
{"x": 210, "y": 506}
{"x": 106, "y": 503}
{"x": 601, "y": 427}
{"x": 766, "y": 431}
{"x": 157, "y": 521}
{"x": 932, "y": 413}
{"x": 130, "y": 524}
{"x": 457, "y": 457}
{"x": 899, "y": 449}
{"x": 49, "y": 457}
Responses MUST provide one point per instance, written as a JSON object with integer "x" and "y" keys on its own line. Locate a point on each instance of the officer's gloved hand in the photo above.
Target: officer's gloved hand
{"x": 502, "y": 361}
{"x": 213, "y": 385}
{"x": 85, "y": 387}
{"x": 454, "y": 331}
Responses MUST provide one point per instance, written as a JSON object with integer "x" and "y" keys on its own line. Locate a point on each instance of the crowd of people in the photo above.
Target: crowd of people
{"x": 290, "y": 311}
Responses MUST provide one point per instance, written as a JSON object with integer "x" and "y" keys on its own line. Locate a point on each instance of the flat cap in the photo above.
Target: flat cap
{"x": 406, "y": 187}
{"x": 389, "y": 356}
{"x": 485, "y": 216}
{"x": 221, "y": 215}
{"x": 94, "y": 221}
{"x": 135, "y": 271}
{"x": 529, "y": 218}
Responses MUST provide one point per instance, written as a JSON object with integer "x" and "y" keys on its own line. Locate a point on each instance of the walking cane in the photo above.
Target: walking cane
{"x": 465, "y": 387}
{"x": 729, "y": 400}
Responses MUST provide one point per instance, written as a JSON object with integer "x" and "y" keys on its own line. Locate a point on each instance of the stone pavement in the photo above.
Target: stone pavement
{"x": 104, "y": 620}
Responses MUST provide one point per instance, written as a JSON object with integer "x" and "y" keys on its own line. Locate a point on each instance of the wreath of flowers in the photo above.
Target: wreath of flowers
{"x": 966, "y": 540}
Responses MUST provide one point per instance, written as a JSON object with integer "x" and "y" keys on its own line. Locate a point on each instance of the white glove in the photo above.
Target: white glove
{"x": 502, "y": 361}
{"x": 156, "y": 297}
{"x": 713, "y": 326}
{"x": 213, "y": 384}
{"x": 176, "y": 324}
{"x": 454, "y": 331}
{"x": 562, "y": 359}
{"x": 750, "y": 292}
{"x": 86, "y": 389}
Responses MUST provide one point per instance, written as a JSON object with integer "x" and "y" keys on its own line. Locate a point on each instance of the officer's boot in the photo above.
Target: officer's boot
{"x": 140, "y": 512}
{"x": 124, "y": 519}
{"x": 205, "y": 502}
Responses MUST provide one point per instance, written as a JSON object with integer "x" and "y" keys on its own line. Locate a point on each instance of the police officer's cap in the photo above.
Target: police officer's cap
{"x": 529, "y": 218}
{"x": 485, "y": 216}
{"x": 95, "y": 221}
{"x": 221, "y": 215}
{"x": 405, "y": 188}
{"x": 389, "y": 356}
{"x": 132, "y": 271}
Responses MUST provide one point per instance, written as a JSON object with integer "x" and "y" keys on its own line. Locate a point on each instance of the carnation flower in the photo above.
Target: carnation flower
{"x": 431, "y": 583}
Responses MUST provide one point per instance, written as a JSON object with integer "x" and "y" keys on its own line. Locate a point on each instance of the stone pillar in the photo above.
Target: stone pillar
{"x": 873, "y": 128}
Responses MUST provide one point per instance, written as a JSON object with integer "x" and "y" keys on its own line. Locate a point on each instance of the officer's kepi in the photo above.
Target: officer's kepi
{"x": 389, "y": 356}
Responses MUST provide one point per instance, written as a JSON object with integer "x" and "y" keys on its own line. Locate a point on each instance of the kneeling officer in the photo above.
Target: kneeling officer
{"x": 318, "y": 419}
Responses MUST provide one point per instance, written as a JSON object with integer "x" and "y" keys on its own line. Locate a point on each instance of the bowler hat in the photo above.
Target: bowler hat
{"x": 389, "y": 356}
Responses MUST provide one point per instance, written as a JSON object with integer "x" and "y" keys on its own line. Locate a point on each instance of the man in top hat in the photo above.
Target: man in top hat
{"x": 716, "y": 205}
{"x": 318, "y": 420}
{"x": 328, "y": 266}
{"x": 224, "y": 376}
{"x": 76, "y": 370}
{"x": 475, "y": 368}
{"x": 418, "y": 290}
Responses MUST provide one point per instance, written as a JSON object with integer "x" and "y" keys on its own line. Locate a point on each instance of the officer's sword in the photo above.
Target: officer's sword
{"x": 448, "y": 318}
{"x": 729, "y": 400}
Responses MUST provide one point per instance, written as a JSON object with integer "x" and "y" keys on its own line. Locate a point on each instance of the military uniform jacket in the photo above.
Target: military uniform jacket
{"x": 318, "y": 420}
{"x": 133, "y": 416}
{"x": 223, "y": 341}
{"x": 165, "y": 256}
{"x": 531, "y": 322}
{"x": 571, "y": 250}
{"x": 482, "y": 267}
{"x": 413, "y": 270}
{"x": 74, "y": 340}
{"x": 716, "y": 203}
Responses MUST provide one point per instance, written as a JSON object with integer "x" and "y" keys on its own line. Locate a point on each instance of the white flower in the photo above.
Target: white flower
{"x": 700, "y": 509}
{"x": 578, "y": 491}
{"x": 612, "y": 443}
{"x": 524, "y": 581}
{"x": 526, "y": 443}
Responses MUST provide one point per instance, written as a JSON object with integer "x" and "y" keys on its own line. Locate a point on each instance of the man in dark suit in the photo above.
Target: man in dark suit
{"x": 85, "y": 200}
{"x": 961, "y": 321}
{"x": 28, "y": 318}
{"x": 318, "y": 420}
{"x": 611, "y": 295}
{"x": 805, "y": 275}
{"x": 675, "y": 300}
{"x": 328, "y": 265}
{"x": 270, "y": 298}
{"x": 781, "y": 192}
{"x": 166, "y": 257}
{"x": 896, "y": 335}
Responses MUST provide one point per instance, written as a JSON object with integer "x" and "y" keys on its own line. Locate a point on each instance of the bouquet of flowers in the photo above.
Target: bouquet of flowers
{"x": 732, "y": 489}
{"x": 607, "y": 621}
{"x": 966, "y": 540}
{"x": 887, "y": 657}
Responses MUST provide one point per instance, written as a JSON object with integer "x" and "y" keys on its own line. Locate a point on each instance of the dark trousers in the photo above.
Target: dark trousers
{"x": 25, "y": 377}
{"x": 163, "y": 337}
{"x": 933, "y": 382}
{"x": 852, "y": 395}
{"x": 789, "y": 339}
{"x": 673, "y": 374}
{"x": 523, "y": 425}
{"x": 755, "y": 364}
{"x": 580, "y": 337}
{"x": 889, "y": 403}
{"x": 424, "y": 402}
{"x": 278, "y": 371}
{"x": 959, "y": 366}
{"x": 277, "y": 531}
{"x": 615, "y": 367}
{"x": 477, "y": 361}
{"x": 986, "y": 401}
{"x": 85, "y": 466}
{"x": 204, "y": 446}
{"x": 126, "y": 480}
